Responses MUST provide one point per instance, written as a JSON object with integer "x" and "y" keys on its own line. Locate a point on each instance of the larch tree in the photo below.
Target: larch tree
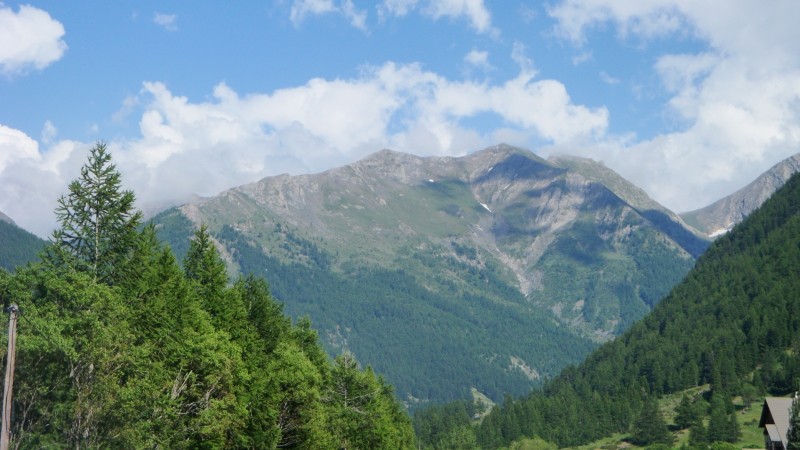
{"x": 98, "y": 221}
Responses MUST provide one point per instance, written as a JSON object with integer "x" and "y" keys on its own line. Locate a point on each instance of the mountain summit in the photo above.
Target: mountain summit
{"x": 496, "y": 268}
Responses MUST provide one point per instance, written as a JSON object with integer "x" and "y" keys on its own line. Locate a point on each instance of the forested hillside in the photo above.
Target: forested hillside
{"x": 732, "y": 324}
{"x": 17, "y": 246}
{"x": 119, "y": 346}
{"x": 490, "y": 271}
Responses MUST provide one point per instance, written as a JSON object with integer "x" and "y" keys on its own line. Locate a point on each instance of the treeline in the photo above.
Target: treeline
{"x": 120, "y": 346}
{"x": 732, "y": 324}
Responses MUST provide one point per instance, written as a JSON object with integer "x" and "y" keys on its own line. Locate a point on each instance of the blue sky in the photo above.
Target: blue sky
{"x": 688, "y": 99}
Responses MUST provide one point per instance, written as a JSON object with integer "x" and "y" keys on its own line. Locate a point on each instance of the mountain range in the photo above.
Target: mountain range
{"x": 492, "y": 270}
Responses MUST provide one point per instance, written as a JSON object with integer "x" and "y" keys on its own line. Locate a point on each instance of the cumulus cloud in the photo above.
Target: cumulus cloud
{"x": 168, "y": 22}
{"x": 474, "y": 11}
{"x": 30, "y": 179}
{"x": 231, "y": 138}
{"x": 29, "y": 39}
{"x": 735, "y": 102}
{"x": 301, "y": 9}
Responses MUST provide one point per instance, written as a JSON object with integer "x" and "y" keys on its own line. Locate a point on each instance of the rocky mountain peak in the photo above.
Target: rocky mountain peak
{"x": 722, "y": 215}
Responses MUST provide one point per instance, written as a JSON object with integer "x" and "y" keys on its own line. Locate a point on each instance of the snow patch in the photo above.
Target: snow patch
{"x": 430, "y": 181}
{"x": 485, "y": 206}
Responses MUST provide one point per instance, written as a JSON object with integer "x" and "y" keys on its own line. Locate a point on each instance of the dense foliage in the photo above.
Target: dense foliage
{"x": 121, "y": 347}
{"x": 732, "y": 324}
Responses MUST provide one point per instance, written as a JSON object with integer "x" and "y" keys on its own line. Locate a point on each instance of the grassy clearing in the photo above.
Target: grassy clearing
{"x": 747, "y": 416}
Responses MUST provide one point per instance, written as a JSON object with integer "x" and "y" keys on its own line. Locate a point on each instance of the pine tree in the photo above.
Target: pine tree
{"x": 722, "y": 425}
{"x": 649, "y": 427}
{"x": 687, "y": 413}
{"x": 698, "y": 435}
{"x": 98, "y": 221}
{"x": 206, "y": 269}
{"x": 203, "y": 263}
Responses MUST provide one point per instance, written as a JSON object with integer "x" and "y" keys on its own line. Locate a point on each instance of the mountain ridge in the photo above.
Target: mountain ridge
{"x": 500, "y": 239}
{"x": 719, "y": 217}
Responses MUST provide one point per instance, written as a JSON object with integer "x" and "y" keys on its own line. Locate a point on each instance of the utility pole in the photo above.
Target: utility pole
{"x": 11, "y": 356}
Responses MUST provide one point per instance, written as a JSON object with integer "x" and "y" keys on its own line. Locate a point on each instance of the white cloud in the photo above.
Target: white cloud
{"x": 397, "y": 7}
{"x": 167, "y": 21}
{"x": 29, "y": 38}
{"x": 479, "y": 59}
{"x": 472, "y": 10}
{"x": 187, "y": 147}
{"x": 581, "y": 58}
{"x": 736, "y": 100}
{"x": 30, "y": 179}
{"x": 301, "y": 9}
{"x": 647, "y": 18}
{"x": 15, "y": 145}
{"x": 49, "y": 132}
{"x": 608, "y": 79}
{"x": 519, "y": 55}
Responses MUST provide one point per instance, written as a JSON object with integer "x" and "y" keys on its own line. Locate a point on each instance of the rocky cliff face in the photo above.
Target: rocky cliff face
{"x": 538, "y": 255}
{"x": 719, "y": 217}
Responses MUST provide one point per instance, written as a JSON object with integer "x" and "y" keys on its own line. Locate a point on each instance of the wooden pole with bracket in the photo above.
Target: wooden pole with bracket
{"x": 8, "y": 387}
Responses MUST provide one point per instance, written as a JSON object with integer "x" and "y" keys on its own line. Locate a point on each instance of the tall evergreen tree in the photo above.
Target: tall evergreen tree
{"x": 688, "y": 412}
{"x": 722, "y": 425}
{"x": 98, "y": 221}
{"x": 649, "y": 427}
{"x": 204, "y": 266}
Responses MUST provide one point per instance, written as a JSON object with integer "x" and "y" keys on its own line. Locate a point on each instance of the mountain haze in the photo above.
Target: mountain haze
{"x": 491, "y": 270}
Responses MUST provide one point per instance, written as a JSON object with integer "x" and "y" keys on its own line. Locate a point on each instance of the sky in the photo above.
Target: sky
{"x": 689, "y": 99}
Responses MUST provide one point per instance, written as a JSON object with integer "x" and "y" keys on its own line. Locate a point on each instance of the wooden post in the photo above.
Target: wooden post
{"x": 9, "y": 383}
